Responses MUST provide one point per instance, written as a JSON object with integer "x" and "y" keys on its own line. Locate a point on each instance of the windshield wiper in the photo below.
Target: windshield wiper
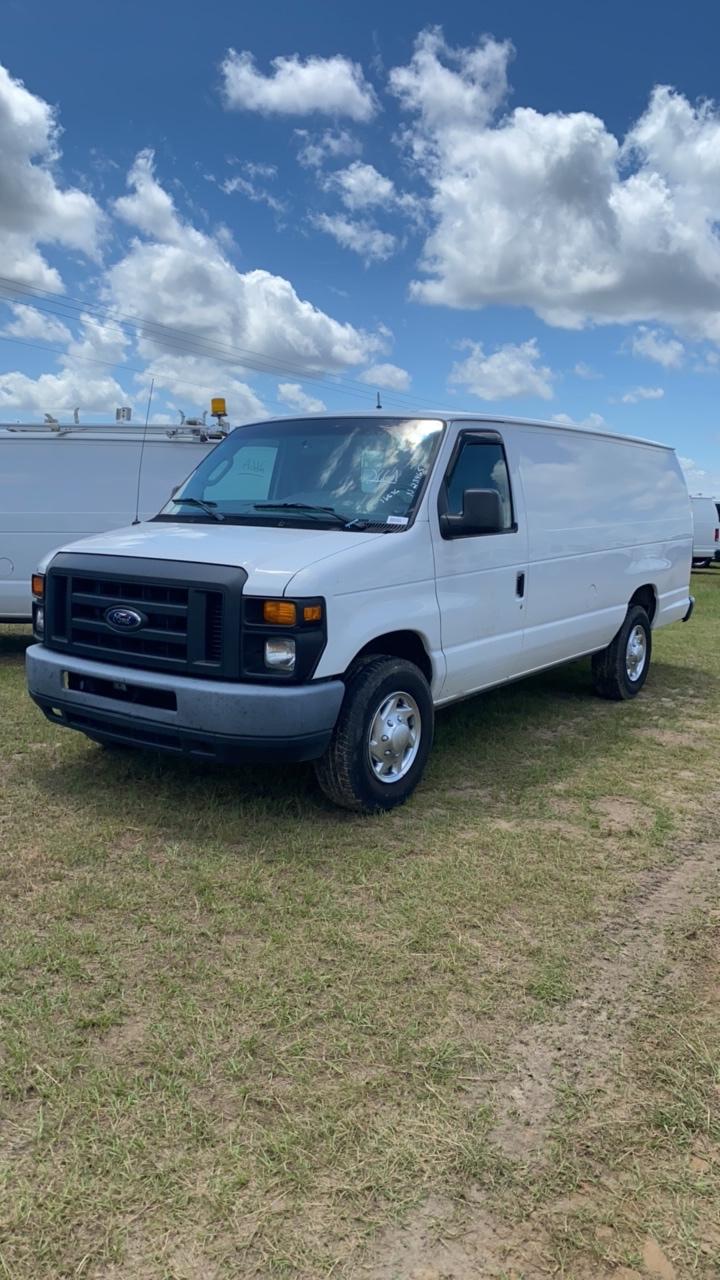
{"x": 205, "y": 506}
{"x": 302, "y": 506}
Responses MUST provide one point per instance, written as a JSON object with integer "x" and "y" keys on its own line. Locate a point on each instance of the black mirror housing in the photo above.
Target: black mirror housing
{"x": 481, "y": 513}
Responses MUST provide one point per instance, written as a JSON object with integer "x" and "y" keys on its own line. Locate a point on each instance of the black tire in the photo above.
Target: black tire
{"x": 345, "y": 772}
{"x": 610, "y": 666}
{"x": 701, "y": 564}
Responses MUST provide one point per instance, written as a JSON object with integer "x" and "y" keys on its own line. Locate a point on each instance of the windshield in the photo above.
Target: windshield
{"x": 335, "y": 472}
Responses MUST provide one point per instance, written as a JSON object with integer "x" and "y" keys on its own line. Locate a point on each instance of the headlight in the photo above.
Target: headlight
{"x": 280, "y": 654}
{"x": 39, "y": 620}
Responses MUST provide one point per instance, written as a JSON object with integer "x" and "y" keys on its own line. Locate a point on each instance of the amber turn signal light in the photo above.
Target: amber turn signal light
{"x": 312, "y": 613}
{"x": 281, "y": 612}
{"x": 38, "y": 585}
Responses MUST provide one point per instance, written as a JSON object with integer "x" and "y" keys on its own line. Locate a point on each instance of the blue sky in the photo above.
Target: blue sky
{"x": 510, "y": 214}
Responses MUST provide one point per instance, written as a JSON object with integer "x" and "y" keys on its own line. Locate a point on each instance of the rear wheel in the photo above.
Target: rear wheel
{"x": 382, "y": 738}
{"x": 620, "y": 670}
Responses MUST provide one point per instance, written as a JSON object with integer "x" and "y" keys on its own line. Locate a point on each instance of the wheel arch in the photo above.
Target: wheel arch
{"x": 398, "y": 644}
{"x": 646, "y": 596}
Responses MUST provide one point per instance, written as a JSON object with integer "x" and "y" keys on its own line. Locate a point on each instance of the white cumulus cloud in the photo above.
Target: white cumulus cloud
{"x": 511, "y": 370}
{"x": 179, "y": 278}
{"x": 636, "y": 394}
{"x": 656, "y": 346}
{"x": 361, "y": 186}
{"x": 34, "y": 208}
{"x": 388, "y": 376}
{"x": 36, "y": 325}
{"x": 331, "y": 86}
{"x": 550, "y": 210}
{"x": 372, "y": 244}
{"x": 316, "y": 148}
{"x": 194, "y": 380}
{"x": 699, "y": 479}
{"x": 76, "y": 384}
{"x": 60, "y": 392}
{"x": 292, "y": 394}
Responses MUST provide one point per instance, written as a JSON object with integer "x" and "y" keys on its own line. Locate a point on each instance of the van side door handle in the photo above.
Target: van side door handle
{"x": 520, "y": 586}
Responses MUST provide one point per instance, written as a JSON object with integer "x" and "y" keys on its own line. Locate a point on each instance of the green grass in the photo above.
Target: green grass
{"x": 245, "y": 1034}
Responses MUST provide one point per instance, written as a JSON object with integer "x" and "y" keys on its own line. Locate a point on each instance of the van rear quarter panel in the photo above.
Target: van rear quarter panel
{"x": 604, "y": 518}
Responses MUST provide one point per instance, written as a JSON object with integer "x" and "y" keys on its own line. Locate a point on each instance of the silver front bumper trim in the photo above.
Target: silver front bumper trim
{"x": 210, "y": 707}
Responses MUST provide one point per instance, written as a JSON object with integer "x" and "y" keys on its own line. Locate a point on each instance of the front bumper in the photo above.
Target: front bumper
{"x": 213, "y": 719}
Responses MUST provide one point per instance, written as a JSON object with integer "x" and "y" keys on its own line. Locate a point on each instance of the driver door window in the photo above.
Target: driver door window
{"x": 480, "y": 464}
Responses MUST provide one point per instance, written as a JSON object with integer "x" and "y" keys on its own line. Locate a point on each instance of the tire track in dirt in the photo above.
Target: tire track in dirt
{"x": 578, "y": 1045}
{"x": 451, "y": 1240}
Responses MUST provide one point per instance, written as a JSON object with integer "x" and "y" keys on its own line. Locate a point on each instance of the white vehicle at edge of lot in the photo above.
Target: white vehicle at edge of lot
{"x": 60, "y": 483}
{"x": 320, "y": 585}
{"x": 706, "y": 531}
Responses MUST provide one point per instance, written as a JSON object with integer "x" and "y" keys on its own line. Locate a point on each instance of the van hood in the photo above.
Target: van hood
{"x": 269, "y": 555}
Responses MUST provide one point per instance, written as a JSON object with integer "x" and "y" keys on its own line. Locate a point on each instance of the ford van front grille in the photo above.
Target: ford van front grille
{"x": 120, "y": 610}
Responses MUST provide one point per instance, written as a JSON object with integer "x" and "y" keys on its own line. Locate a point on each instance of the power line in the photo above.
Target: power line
{"x": 64, "y": 304}
{"x": 128, "y": 368}
{"x": 183, "y": 342}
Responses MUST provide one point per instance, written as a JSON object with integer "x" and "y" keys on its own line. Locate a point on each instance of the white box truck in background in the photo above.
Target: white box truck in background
{"x": 706, "y": 531}
{"x": 320, "y": 585}
{"x": 59, "y": 483}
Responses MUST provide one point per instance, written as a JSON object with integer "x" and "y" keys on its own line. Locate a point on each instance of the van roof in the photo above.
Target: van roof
{"x": 454, "y": 416}
{"x": 128, "y": 432}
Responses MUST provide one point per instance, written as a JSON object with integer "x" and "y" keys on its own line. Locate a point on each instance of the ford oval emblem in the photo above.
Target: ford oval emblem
{"x": 121, "y": 619}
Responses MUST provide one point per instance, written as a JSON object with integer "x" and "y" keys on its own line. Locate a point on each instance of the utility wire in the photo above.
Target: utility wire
{"x": 178, "y": 341}
{"x": 67, "y": 307}
{"x": 128, "y": 368}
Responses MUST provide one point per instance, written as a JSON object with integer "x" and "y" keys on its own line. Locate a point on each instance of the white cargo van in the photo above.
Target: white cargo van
{"x": 706, "y": 531}
{"x": 59, "y": 483}
{"x": 319, "y": 586}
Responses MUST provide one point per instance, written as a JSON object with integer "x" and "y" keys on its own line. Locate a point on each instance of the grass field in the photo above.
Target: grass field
{"x": 247, "y": 1035}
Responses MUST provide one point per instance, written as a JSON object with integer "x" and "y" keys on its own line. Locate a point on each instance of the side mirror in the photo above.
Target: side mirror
{"x": 481, "y": 513}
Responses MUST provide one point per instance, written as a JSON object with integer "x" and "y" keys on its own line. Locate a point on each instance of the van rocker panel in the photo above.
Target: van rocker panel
{"x": 217, "y": 719}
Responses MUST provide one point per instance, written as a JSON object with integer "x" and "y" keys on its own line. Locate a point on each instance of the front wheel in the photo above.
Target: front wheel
{"x": 620, "y": 671}
{"x": 382, "y": 738}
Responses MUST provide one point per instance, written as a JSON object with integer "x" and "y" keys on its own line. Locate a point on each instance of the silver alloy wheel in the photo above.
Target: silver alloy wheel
{"x": 394, "y": 738}
{"x": 636, "y": 653}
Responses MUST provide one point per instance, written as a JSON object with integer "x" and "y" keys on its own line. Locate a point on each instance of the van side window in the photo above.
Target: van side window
{"x": 479, "y": 465}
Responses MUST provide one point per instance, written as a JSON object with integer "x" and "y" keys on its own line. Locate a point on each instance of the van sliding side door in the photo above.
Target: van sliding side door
{"x": 480, "y": 577}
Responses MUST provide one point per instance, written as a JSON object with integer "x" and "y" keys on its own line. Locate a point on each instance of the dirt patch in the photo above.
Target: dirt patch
{"x": 125, "y": 1036}
{"x": 621, "y": 814}
{"x": 565, "y": 808}
{"x": 183, "y": 1262}
{"x": 445, "y": 1241}
{"x": 570, "y": 830}
{"x": 670, "y": 737}
{"x": 579, "y": 1045}
{"x": 505, "y": 824}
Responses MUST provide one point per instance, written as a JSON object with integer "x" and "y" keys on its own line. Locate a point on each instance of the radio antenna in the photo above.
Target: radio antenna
{"x": 142, "y": 451}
